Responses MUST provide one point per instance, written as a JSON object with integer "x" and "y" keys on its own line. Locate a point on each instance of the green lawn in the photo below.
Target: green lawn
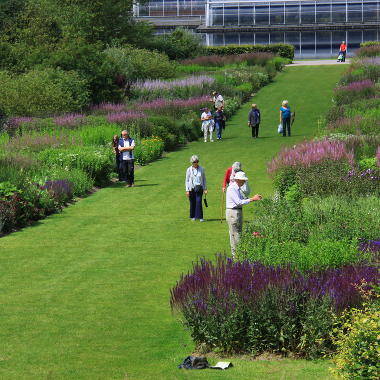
{"x": 85, "y": 294}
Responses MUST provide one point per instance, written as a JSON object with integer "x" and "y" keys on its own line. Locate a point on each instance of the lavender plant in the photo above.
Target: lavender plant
{"x": 249, "y": 307}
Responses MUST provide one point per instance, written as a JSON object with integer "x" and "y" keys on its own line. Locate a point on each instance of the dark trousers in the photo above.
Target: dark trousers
{"x": 219, "y": 129}
{"x": 196, "y": 210}
{"x": 127, "y": 171}
{"x": 286, "y": 126}
{"x": 117, "y": 164}
{"x": 344, "y": 56}
{"x": 255, "y": 130}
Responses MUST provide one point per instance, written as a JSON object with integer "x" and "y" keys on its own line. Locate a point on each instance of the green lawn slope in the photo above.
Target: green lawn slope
{"x": 85, "y": 294}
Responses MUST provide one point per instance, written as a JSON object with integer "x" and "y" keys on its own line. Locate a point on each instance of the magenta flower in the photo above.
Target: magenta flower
{"x": 309, "y": 153}
{"x": 192, "y": 81}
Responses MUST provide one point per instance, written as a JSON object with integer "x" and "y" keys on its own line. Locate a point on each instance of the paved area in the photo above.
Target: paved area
{"x": 318, "y": 62}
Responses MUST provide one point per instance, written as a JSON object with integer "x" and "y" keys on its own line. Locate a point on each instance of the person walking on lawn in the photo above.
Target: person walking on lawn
{"x": 218, "y": 119}
{"x": 254, "y": 118}
{"x": 207, "y": 124}
{"x": 285, "y": 117}
{"x": 127, "y": 160}
{"x": 234, "y": 213}
{"x": 195, "y": 184}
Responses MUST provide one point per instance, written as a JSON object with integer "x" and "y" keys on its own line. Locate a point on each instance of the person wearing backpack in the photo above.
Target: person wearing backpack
{"x": 254, "y": 117}
{"x": 285, "y": 117}
{"x": 127, "y": 159}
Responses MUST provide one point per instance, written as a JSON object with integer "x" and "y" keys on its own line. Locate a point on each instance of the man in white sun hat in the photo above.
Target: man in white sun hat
{"x": 234, "y": 213}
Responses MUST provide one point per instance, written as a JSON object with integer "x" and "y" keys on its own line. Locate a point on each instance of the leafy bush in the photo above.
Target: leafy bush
{"x": 149, "y": 150}
{"x": 283, "y": 50}
{"x": 318, "y": 233}
{"x": 96, "y": 162}
{"x": 43, "y": 92}
{"x": 248, "y": 307}
{"x": 133, "y": 64}
{"x": 358, "y": 345}
{"x": 179, "y": 44}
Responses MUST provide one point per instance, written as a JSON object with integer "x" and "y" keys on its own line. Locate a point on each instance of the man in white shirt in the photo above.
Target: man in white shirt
{"x": 234, "y": 213}
{"x": 127, "y": 166}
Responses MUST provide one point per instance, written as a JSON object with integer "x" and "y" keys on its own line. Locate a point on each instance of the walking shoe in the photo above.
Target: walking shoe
{"x": 205, "y": 140}
{"x": 201, "y": 220}
{"x": 193, "y": 219}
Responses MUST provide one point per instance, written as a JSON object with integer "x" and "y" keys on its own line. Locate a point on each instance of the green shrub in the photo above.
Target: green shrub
{"x": 43, "y": 92}
{"x": 369, "y": 43}
{"x": 179, "y": 44}
{"x": 319, "y": 232}
{"x": 368, "y": 163}
{"x": 358, "y": 353}
{"x": 283, "y": 50}
{"x": 149, "y": 150}
{"x": 96, "y": 162}
{"x": 138, "y": 64}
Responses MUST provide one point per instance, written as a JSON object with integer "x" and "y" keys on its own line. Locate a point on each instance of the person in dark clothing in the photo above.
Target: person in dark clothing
{"x": 219, "y": 119}
{"x": 115, "y": 148}
{"x": 285, "y": 118}
{"x": 254, "y": 118}
{"x": 127, "y": 158}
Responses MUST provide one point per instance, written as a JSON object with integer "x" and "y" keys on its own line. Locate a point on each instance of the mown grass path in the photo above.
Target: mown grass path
{"x": 85, "y": 294}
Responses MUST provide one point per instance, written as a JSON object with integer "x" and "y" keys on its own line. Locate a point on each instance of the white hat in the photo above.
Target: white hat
{"x": 241, "y": 176}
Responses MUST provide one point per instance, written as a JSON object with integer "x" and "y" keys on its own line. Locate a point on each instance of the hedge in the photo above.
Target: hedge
{"x": 370, "y": 43}
{"x": 283, "y": 50}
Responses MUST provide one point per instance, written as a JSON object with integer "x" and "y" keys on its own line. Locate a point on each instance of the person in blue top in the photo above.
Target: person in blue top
{"x": 285, "y": 117}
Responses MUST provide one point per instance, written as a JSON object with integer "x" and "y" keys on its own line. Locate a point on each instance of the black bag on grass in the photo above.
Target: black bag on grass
{"x": 194, "y": 362}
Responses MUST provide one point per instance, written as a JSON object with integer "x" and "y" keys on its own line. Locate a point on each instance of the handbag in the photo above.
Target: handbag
{"x": 280, "y": 128}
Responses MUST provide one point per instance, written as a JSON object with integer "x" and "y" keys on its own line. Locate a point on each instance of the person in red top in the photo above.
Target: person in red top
{"x": 227, "y": 176}
{"x": 343, "y": 50}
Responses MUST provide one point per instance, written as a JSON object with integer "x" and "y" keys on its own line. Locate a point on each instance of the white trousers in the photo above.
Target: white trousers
{"x": 234, "y": 218}
{"x": 206, "y": 132}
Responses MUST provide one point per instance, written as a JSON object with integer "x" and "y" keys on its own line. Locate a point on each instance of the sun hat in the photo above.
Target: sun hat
{"x": 241, "y": 176}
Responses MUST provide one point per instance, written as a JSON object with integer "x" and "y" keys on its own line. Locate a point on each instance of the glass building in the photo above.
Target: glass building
{"x": 291, "y": 12}
{"x": 314, "y": 27}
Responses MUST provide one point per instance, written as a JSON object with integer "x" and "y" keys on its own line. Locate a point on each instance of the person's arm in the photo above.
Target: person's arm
{"x": 204, "y": 184}
{"x": 280, "y": 116}
{"x": 187, "y": 182}
{"x": 226, "y": 179}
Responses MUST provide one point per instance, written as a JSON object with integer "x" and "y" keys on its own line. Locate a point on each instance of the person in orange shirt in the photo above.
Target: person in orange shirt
{"x": 343, "y": 50}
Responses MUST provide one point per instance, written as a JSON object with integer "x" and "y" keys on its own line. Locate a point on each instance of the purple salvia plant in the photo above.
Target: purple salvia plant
{"x": 309, "y": 153}
{"x": 226, "y": 281}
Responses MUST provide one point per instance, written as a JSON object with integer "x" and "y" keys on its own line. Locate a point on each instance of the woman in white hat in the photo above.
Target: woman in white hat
{"x": 234, "y": 213}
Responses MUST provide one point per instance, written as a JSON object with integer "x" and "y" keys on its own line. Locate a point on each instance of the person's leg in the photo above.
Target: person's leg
{"x": 253, "y": 131}
{"x": 288, "y": 126}
{"x": 192, "y": 204}
{"x": 283, "y": 128}
{"x": 205, "y": 132}
{"x": 131, "y": 172}
{"x": 198, "y": 205}
{"x": 118, "y": 170}
{"x": 123, "y": 170}
{"x": 211, "y": 132}
{"x": 234, "y": 220}
{"x": 257, "y": 130}
{"x": 344, "y": 57}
